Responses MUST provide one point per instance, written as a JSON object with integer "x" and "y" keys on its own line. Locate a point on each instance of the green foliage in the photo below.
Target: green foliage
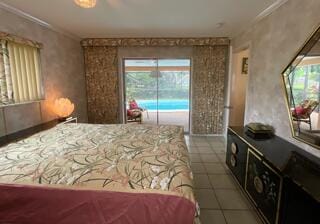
{"x": 305, "y": 83}
{"x": 144, "y": 85}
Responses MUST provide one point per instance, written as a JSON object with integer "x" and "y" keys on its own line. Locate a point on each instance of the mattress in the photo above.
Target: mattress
{"x": 98, "y": 174}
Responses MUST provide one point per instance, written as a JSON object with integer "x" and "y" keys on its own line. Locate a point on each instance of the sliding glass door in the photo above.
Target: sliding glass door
{"x": 161, "y": 87}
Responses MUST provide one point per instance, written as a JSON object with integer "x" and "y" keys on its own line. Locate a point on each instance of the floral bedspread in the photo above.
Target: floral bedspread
{"x": 123, "y": 158}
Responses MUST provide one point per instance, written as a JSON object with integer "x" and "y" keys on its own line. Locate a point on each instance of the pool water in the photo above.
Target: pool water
{"x": 175, "y": 104}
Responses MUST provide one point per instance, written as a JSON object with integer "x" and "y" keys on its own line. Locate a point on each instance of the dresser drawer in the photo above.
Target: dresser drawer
{"x": 263, "y": 185}
{"x": 237, "y": 157}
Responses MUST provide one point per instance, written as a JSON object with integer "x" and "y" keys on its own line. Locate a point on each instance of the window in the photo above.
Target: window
{"x": 20, "y": 79}
{"x": 306, "y": 81}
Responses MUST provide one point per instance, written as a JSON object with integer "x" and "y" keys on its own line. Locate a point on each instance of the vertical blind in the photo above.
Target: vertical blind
{"x": 20, "y": 79}
{"x": 25, "y": 72}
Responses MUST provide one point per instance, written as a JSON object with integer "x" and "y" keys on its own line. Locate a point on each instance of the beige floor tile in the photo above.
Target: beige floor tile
{"x": 212, "y": 217}
{"x": 216, "y": 138}
{"x": 219, "y": 149}
{"x": 198, "y": 168}
{"x": 198, "y": 138}
{"x": 195, "y": 158}
{"x": 205, "y": 150}
{"x": 224, "y": 164}
{"x": 191, "y": 144}
{"x": 218, "y": 144}
{"x": 206, "y": 199}
{"x": 241, "y": 217}
{"x": 231, "y": 199}
{"x": 222, "y": 181}
{"x": 201, "y": 181}
{"x": 202, "y": 144}
{"x": 222, "y": 157}
{"x": 215, "y": 168}
{"x": 193, "y": 149}
{"x": 209, "y": 158}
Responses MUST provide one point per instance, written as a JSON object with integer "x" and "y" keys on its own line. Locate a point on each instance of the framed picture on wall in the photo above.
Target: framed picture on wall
{"x": 244, "y": 68}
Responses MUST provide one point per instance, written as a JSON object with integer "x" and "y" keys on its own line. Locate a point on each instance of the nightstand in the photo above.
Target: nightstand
{"x": 69, "y": 120}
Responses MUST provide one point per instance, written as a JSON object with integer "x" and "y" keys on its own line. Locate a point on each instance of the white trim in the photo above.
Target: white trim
{"x": 273, "y": 7}
{"x": 269, "y": 10}
{"x": 40, "y": 22}
{"x": 226, "y": 109}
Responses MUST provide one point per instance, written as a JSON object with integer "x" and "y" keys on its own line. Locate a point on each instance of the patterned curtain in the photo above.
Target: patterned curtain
{"x": 6, "y": 90}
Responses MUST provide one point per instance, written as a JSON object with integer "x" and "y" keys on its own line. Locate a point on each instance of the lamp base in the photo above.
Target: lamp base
{"x": 63, "y": 119}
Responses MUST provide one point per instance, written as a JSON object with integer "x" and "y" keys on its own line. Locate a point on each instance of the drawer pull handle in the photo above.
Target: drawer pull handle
{"x": 258, "y": 184}
{"x": 234, "y": 148}
{"x": 233, "y": 161}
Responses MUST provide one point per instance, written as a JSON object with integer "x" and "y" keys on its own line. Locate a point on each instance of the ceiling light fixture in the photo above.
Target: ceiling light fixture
{"x": 86, "y": 3}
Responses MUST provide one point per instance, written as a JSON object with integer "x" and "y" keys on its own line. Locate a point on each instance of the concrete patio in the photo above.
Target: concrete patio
{"x": 168, "y": 117}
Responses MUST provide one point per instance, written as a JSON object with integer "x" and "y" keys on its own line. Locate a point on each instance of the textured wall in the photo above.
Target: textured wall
{"x": 274, "y": 42}
{"x": 62, "y": 72}
{"x": 208, "y": 78}
{"x": 101, "y": 70}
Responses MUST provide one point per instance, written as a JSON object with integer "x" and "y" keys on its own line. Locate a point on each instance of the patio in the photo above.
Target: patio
{"x": 168, "y": 117}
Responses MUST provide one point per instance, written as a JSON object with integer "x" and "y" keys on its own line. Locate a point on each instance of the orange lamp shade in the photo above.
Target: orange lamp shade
{"x": 63, "y": 107}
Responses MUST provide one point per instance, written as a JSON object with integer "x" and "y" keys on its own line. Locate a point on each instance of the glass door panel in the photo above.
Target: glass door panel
{"x": 173, "y": 92}
{"x": 141, "y": 85}
{"x": 161, "y": 88}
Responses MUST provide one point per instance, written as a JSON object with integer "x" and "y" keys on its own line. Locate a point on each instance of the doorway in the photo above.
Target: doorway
{"x": 238, "y": 87}
{"x": 161, "y": 87}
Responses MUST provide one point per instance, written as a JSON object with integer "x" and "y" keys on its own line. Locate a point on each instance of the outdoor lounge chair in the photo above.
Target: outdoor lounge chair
{"x": 302, "y": 113}
{"x": 134, "y": 113}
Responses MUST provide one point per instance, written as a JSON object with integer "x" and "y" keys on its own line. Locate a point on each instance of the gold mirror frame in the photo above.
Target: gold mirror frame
{"x": 283, "y": 77}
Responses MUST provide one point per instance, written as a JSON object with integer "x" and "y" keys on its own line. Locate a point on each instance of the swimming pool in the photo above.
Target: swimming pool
{"x": 174, "y": 104}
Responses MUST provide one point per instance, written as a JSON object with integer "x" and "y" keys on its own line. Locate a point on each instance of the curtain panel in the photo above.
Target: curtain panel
{"x": 19, "y": 73}
{"x": 6, "y": 90}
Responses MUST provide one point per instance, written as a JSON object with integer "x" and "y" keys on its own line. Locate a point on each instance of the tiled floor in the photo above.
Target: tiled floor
{"x": 219, "y": 196}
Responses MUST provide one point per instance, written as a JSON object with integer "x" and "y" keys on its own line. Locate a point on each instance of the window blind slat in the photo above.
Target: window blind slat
{"x": 16, "y": 58}
{"x": 28, "y": 73}
{"x": 33, "y": 76}
{"x": 16, "y": 95}
{"x": 36, "y": 57}
{"x": 23, "y": 70}
{"x": 25, "y": 81}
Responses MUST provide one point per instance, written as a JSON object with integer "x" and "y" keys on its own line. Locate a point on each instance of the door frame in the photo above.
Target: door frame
{"x": 228, "y": 107}
{"x": 123, "y": 86}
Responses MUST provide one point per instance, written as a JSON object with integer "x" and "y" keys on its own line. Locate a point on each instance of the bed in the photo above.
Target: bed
{"x": 98, "y": 174}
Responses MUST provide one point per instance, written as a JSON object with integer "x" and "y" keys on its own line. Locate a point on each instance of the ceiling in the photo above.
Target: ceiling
{"x": 147, "y": 18}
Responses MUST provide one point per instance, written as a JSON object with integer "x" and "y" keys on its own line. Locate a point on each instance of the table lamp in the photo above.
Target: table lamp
{"x": 63, "y": 108}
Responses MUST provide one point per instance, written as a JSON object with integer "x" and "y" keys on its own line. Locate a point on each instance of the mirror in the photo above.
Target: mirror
{"x": 302, "y": 84}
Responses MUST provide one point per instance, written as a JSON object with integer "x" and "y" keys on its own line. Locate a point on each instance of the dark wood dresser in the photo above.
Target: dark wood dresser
{"x": 281, "y": 180}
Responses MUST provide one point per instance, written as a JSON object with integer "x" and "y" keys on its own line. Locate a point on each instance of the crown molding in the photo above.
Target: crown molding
{"x": 38, "y": 21}
{"x": 269, "y": 10}
{"x": 273, "y": 7}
